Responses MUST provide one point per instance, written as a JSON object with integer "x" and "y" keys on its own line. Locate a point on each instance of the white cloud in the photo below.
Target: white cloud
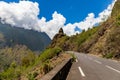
{"x": 25, "y": 15}
{"x": 89, "y": 21}
{"x": 69, "y": 29}
{"x": 103, "y": 16}
{"x": 52, "y": 27}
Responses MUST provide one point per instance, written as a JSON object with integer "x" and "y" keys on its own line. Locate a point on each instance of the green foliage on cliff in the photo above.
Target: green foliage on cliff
{"x": 49, "y": 53}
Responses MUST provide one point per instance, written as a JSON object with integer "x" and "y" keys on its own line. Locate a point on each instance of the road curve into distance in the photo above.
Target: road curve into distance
{"x": 89, "y": 67}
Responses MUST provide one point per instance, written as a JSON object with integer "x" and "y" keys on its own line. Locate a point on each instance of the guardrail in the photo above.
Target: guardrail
{"x": 60, "y": 72}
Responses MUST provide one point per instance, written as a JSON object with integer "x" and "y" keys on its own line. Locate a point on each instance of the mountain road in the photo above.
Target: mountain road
{"x": 90, "y": 67}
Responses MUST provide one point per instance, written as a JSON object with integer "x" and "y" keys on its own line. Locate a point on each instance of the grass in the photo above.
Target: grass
{"x": 73, "y": 57}
{"x": 108, "y": 56}
{"x": 49, "y": 53}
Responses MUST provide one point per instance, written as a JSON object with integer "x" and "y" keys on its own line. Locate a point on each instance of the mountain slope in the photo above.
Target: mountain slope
{"x": 108, "y": 36}
{"x": 17, "y": 48}
{"x": 10, "y": 36}
{"x": 101, "y": 40}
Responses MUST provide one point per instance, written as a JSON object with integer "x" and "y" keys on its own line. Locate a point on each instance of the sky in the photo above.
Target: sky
{"x": 50, "y": 15}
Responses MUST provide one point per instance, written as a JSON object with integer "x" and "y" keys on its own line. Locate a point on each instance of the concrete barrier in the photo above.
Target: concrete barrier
{"x": 60, "y": 72}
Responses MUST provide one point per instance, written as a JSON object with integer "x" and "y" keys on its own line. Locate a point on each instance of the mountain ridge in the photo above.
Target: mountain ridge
{"x": 34, "y": 40}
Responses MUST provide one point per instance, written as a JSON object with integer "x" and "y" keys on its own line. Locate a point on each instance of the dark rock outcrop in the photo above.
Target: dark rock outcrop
{"x": 57, "y": 37}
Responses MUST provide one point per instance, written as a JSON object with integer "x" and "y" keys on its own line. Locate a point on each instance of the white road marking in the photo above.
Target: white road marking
{"x": 98, "y": 62}
{"x": 81, "y": 71}
{"x": 113, "y": 69}
{"x": 76, "y": 60}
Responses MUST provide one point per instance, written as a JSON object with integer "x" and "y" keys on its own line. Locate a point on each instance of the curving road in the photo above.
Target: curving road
{"x": 88, "y": 67}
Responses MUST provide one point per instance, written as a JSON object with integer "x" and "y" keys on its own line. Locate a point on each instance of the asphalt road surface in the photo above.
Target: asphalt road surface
{"x": 89, "y": 67}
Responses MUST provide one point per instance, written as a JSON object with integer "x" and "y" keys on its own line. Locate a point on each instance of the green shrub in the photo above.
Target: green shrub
{"x": 25, "y": 62}
{"x": 73, "y": 57}
{"x": 28, "y": 60}
{"x": 8, "y": 74}
{"x": 118, "y": 20}
{"x": 47, "y": 67}
{"x": 35, "y": 74}
{"x": 32, "y": 76}
{"x": 110, "y": 55}
{"x": 49, "y": 53}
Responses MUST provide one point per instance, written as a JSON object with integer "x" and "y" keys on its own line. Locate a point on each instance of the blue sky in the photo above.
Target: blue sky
{"x": 50, "y": 15}
{"x": 72, "y": 10}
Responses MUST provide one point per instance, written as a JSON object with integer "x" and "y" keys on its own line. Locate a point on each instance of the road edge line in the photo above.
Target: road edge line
{"x": 81, "y": 71}
{"x": 113, "y": 69}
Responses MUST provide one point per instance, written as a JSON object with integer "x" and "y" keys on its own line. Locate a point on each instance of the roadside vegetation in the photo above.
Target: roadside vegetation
{"x": 20, "y": 63}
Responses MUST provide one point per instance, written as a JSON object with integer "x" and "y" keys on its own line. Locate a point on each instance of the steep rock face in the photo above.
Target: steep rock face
{"x": 55, "y": 41}
{"x": 106, "y": 41}
{"x": 11, "y": 36}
